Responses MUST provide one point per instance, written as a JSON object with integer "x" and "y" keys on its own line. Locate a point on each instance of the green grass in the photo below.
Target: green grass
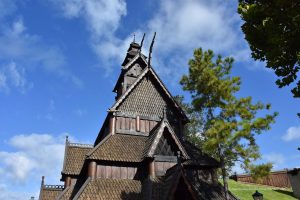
{"x": 244, "y": 191}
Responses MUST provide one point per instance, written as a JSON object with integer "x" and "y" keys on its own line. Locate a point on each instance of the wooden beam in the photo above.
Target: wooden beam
{"x": 92, "y": 169}
{"x": 68, "y": 181}
{"x": 165, "y": 158}
{"x": 137, "y": 123}
{"x": 112, "y": 124}
{"x": 151, "y": 169}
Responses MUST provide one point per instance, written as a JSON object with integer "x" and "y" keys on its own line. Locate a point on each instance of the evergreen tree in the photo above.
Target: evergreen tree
{"x": 231, "y": 122}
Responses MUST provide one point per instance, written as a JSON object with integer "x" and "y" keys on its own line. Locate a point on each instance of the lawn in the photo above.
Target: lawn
{"x": 244, "y": 191}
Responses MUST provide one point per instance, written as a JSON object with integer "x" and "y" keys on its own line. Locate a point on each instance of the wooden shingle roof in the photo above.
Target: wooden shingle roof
{"x": 113, "y": 189}
{"x": 50, "y": 192}
{"x": 66, "y": 194}
{"x": 133, "y": 148}
{"x": 75, "y": 155}
{"x": 197, "y": 157}
{"x": 119, "y": 147}
{"x": 144, "y": 97}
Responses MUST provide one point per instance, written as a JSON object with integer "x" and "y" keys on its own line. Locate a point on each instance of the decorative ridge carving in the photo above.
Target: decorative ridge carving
{"x": 54, "y": 187}
{"x": 81, "y": 145}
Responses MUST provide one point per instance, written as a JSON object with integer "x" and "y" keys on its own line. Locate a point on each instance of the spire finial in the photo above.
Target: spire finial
{"x": 133, "y": 37}
{"x": 150, "y": 50}
{"x": 142, "y": 41}
{"x": 43, "y": 180}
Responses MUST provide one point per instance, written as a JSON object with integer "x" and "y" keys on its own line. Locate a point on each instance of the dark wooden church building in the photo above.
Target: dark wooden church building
{"x": 140, "y": 151}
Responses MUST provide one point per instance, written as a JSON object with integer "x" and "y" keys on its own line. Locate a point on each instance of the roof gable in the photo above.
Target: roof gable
{"x": 165, "y": 129}
{"x": 137, "y": 57}
{"x": 50, "y": 192}
{"x": 110, "y": 189}
{"x": 74, "y": 157}
{"x": 119, "y": 147}
{"x": 148, "y": 89}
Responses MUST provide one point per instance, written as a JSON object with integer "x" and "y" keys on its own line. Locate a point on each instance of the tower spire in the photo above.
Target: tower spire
{"x": 133, "y": 37}
{"x": 150, "y": 50}
{"x": 142, "y": 41}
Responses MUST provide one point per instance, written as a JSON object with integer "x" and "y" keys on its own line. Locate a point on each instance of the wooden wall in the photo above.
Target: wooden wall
{"x": 161, "y": 167}
{"x": 276, "y": 179}
{"x": 138, "y": 125}
{"x": 116, "y": 172}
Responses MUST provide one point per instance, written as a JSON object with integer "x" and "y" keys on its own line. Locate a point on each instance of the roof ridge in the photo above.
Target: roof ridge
{"x": 138, "y": 80}
{"x": 138, "y": 55}
{"x": 120, "y": 100}
{"x": 82, "y": 188}
{"x": 165, "y": 123}
{"x": 64, "y": 192}
{"x": 80, "y": 145}
{"x": 98, "y": 145}
{"x": 53, "y": 186}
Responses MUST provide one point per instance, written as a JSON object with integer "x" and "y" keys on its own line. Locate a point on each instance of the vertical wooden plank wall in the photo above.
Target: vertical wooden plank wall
{"x": 135, "y": 124}
{"x": 163, "y": 166}
{"x": 116, "y": 172}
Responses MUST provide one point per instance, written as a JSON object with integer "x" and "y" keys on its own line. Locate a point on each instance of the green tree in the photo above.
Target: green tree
{"x": 258, "y": 172}
{"x": 272, "y": 29}
{"x": 231, "y": 123}
{"x": 193, "y": 130}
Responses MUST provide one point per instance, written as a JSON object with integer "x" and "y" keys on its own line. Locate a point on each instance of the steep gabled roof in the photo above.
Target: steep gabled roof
{"x": 74, "y": 157}
{"x": 125, "y": 189}
{"x": 133, "y": 148}
{"x": 153, "y": 75}
{"x": 50, "y": 192}
{"x": 136, "y": 57}
{"x": 66, "y": 193}
{"x": 197, "y": 157}
{"x": 164, "y": 124}
{"x": 202, "y": 185}
{"x": 119, "y": 147}
{"x": 128, "y": 66}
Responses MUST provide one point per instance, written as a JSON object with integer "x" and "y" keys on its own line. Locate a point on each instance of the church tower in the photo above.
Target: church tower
{"x": 140, "y": 151}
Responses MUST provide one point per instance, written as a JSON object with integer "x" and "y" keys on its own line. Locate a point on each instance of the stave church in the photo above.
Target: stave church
{"x": 140, "y": 151}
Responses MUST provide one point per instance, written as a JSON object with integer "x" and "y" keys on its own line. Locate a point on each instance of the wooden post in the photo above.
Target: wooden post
{"x": 112, "y": 122}
{"x": 137, "y": 123}
{"x": 68, "y": 181}
{"x": 151, "y": 169}
{"x": 92, "y": 169}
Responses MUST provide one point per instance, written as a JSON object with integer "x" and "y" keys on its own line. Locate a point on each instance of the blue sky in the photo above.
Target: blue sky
{"x": 59, "y": 60}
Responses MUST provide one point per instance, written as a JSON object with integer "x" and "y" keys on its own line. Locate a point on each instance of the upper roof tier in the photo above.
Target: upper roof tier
{"x": 132, "y": 51}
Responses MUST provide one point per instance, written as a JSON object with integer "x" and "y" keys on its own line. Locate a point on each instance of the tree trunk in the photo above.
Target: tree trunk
{"x": 224, "y": 175}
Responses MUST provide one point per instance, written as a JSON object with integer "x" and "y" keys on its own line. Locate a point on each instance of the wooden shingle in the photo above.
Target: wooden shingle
{"x": 114, "y": 189}
{"x": 74, "y": 158}
{"x": 119, "y": 147}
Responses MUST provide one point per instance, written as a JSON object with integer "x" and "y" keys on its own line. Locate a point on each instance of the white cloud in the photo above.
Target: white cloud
{"x": 12, "y": 75}
{"x": 102, "y": 19}
{"x": 38, "y": 154}
{"x": 277, "y": 159}
{"x": 188, "y": 24}
{"x": 5, "y": 193}
{"x": 30, "y": 156}
{"x": 181, "y": 26}
{"x": 29, "y": 50}
{"x": 293, "y": 133}
{"x": 101, "y": 16}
